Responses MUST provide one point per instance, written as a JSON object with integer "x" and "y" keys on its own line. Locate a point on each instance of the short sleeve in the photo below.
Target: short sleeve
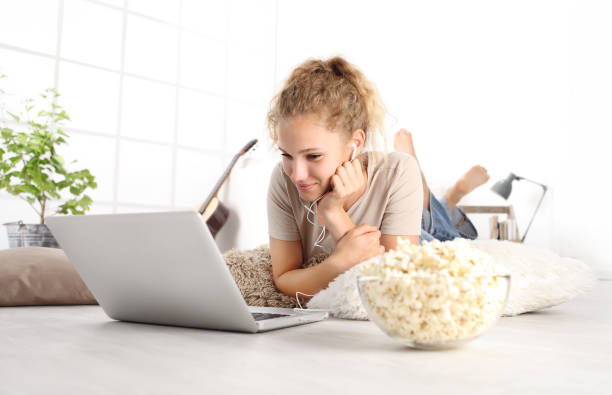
{"x": 402, "y": 215}
{"x": 281, "y": 220}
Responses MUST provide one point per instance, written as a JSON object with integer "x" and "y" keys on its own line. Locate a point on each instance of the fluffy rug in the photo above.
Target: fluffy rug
{"x": 252, "y": 271}
{"x": 540, "y": 279}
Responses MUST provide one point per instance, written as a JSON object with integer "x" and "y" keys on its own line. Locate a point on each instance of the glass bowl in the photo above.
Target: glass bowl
{"x": 434, "y": 311}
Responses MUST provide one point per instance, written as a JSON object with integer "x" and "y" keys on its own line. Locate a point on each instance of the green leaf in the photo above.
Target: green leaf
{"x": 7, "y": 133}
{"x": 14, "y": 116}
{"x": 58, "y": 159}
{"x": 54, "y": 194}
{"x": 22, "y": 138}
{"x": 61, "y": 116}
{"x": 27, "y": 189}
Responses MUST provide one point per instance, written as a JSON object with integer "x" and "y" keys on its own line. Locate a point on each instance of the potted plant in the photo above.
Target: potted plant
{"x": 31, "y": 169}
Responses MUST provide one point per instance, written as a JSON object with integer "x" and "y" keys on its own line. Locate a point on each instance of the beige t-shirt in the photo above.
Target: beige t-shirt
{"x": 392, "y": 201}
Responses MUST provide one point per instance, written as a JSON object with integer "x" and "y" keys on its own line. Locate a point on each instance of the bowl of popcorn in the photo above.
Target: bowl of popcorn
{"x": 433, "y": 296}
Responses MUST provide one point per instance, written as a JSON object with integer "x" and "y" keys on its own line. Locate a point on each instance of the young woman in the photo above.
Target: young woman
{"x": 330, "y": 196}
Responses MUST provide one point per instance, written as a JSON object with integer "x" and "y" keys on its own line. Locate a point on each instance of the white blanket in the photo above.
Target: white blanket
{"x": 539, "y": 279}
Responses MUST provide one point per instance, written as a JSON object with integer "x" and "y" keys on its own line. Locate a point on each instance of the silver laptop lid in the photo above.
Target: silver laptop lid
{"x": 162, "y": 268}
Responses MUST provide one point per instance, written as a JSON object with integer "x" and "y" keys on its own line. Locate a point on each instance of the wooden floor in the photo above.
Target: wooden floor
{"x": 566, "y": 349}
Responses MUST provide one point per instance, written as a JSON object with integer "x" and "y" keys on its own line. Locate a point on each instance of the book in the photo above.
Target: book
{"x": 494, "y": 227}
{"x": 512, "y": 230}
{"x": 503, "y": 230}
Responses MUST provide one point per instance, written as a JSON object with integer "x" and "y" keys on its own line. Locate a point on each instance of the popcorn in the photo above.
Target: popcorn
{"x": 436, "y": 292}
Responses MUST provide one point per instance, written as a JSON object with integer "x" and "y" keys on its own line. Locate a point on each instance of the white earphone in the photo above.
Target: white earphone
{"x": 313, "y": 212}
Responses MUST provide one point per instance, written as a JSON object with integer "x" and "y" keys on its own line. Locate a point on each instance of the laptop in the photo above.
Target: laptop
{"x": 163, "y": 268}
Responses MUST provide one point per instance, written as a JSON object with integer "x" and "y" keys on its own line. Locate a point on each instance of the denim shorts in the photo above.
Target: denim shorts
{"x": 442, "y": 223}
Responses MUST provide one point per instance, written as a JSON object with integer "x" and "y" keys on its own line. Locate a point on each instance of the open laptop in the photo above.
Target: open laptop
{"x": 163, "y": 268}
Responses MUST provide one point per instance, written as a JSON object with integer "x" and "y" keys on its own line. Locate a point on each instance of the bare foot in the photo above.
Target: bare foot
{"x": 402, "y": 142}
{"x": 471, "y": 180}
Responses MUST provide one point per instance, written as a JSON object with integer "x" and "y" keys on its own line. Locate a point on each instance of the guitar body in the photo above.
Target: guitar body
{"x": 215, "y": 215}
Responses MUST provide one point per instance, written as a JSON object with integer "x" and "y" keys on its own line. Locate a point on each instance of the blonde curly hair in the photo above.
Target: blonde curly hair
{"x": 338, "y": 92}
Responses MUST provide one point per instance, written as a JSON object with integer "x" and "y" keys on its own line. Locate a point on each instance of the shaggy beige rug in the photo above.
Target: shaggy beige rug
{"x": 252, "y": 271}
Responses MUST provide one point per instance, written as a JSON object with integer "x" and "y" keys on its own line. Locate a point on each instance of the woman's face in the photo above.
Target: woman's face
{"x": 317, "y": 165}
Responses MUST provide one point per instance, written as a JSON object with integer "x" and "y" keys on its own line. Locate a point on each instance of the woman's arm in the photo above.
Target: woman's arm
{"x": 390, "y": 241}
{"x": 356, "y": 245}
{"x": 338, "y": 222}
{"x": 288, "y": 275}
{"x": 310, "y": 280}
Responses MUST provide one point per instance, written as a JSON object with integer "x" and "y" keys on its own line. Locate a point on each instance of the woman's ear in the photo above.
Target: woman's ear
{"x": 359, "y": 139}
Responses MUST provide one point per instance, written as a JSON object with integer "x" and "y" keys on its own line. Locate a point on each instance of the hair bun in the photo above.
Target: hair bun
{"x": 338, "y": 66}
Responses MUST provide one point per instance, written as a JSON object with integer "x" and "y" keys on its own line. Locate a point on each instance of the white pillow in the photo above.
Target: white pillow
{"x": 539, "y": 279}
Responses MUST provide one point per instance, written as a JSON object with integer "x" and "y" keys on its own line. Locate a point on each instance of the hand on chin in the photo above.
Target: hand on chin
{"x": 330, "y": 202}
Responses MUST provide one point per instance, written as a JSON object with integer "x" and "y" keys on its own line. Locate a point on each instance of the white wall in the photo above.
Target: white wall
{"x": 517, "y": 87}
{"x": 582, "y": 208}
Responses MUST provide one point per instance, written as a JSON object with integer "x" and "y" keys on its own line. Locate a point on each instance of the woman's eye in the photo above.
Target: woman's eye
{"x": 313, "y": 156}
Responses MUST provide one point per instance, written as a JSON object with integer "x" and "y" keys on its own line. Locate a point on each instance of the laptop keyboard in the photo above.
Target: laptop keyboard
{"x": 265, "y": 316}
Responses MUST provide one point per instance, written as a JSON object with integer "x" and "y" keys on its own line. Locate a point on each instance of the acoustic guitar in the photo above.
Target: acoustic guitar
{"x": 212, "y": 210}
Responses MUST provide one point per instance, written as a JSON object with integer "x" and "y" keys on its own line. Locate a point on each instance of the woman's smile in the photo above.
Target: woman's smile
{"x": 305, "y": 187}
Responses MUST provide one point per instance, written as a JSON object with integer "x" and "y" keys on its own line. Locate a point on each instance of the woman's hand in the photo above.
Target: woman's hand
{"x": 357, "y": 245}
{"x": 346, "y": 185}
